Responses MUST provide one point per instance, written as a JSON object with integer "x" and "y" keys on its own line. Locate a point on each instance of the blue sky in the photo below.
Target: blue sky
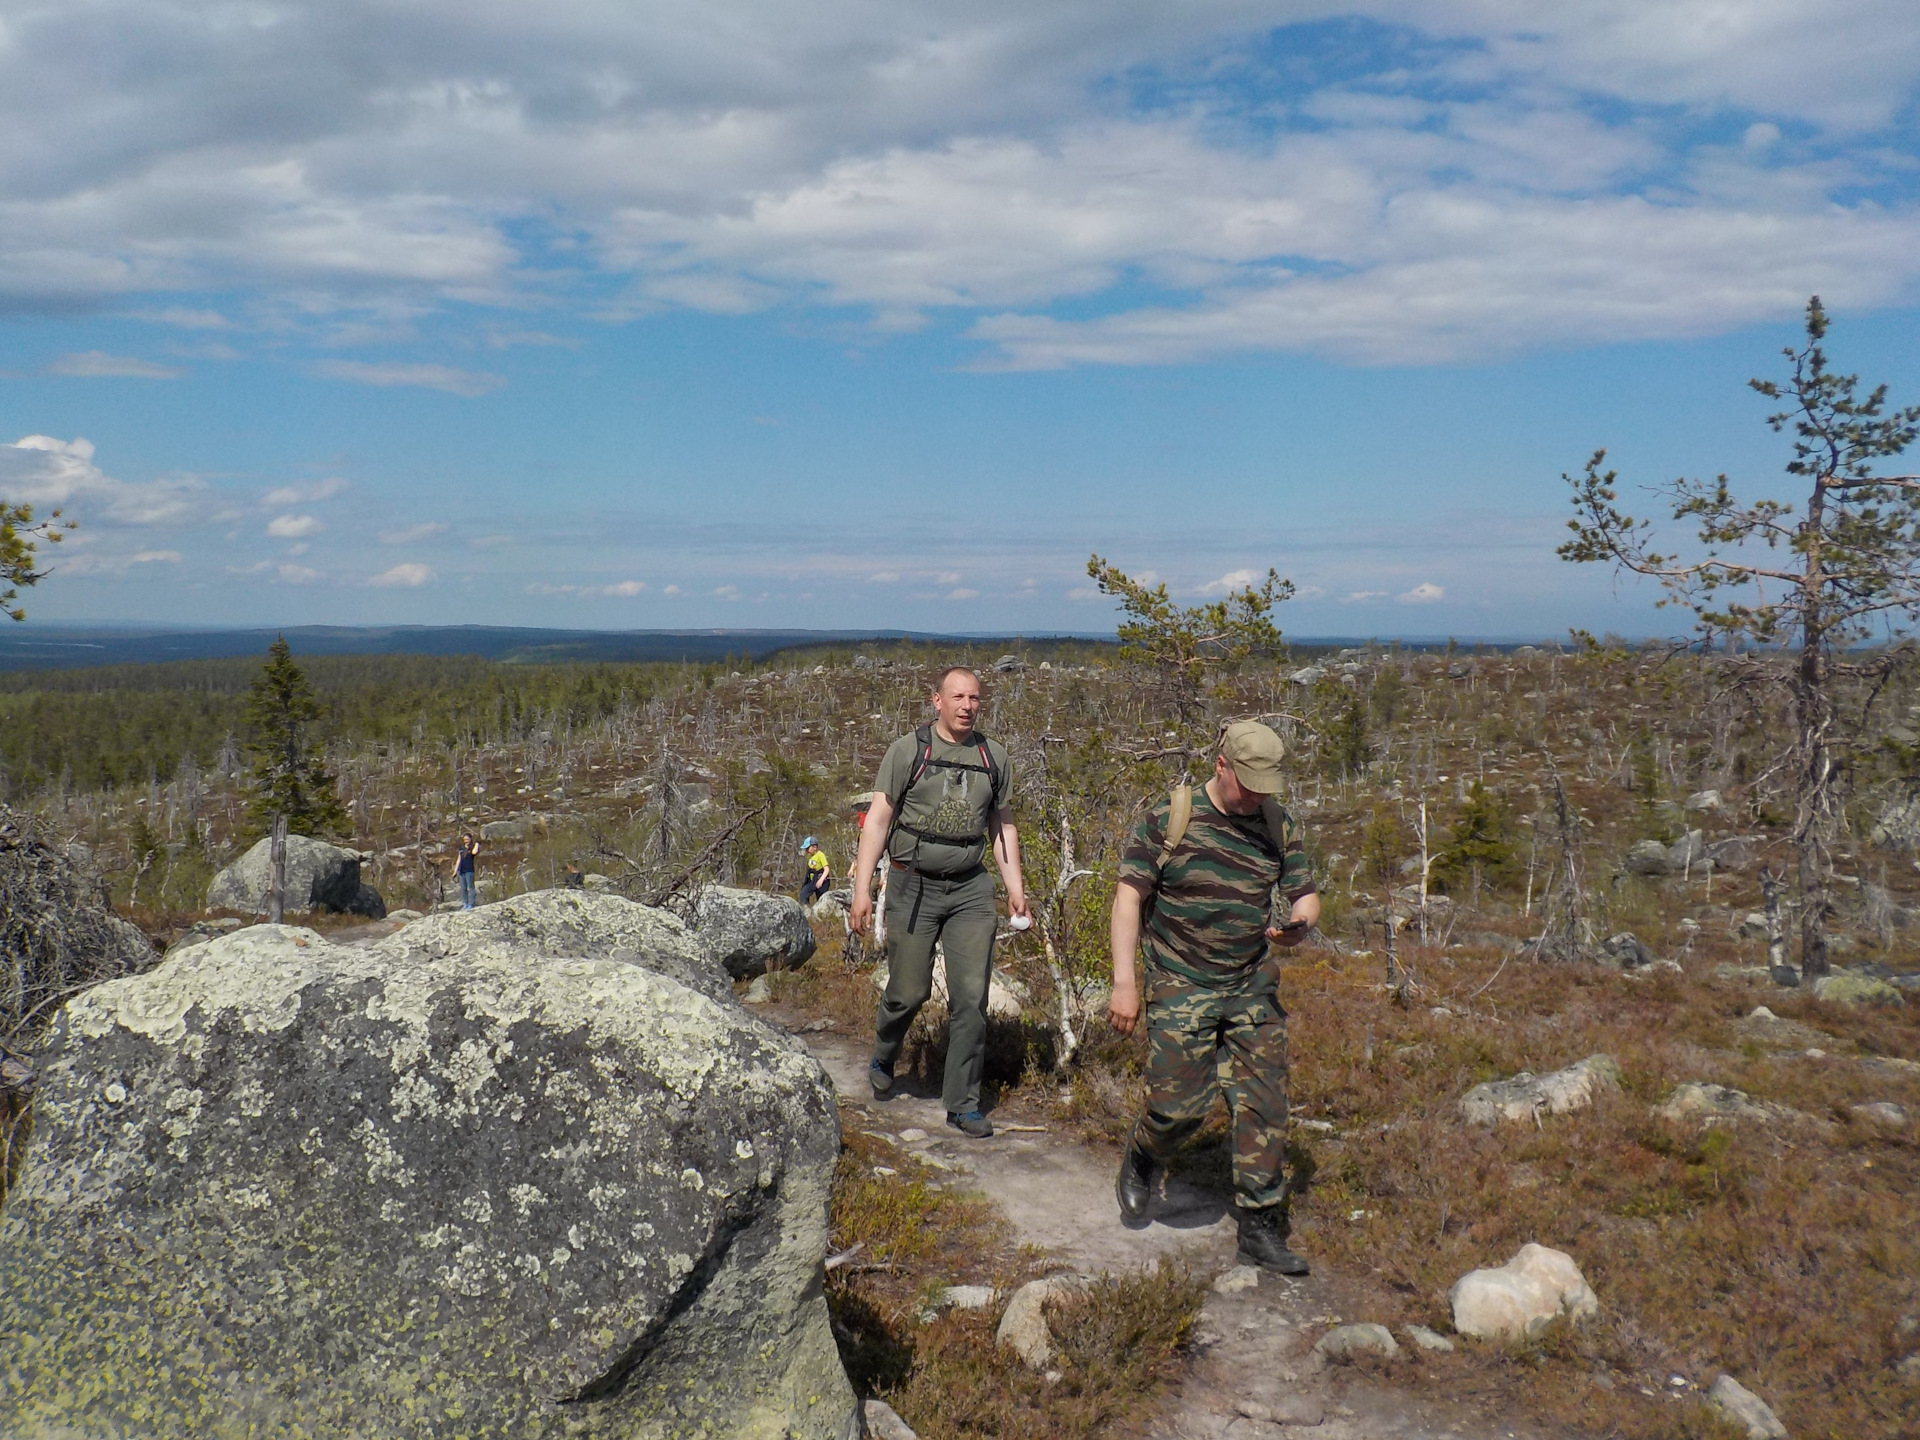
{"x": 859, "y": 315}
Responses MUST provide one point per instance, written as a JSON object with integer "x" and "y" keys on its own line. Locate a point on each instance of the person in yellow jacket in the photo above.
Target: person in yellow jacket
{"x": 819, "y": 873}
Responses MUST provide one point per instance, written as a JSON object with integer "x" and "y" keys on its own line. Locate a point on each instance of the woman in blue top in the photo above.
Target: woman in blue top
{"x": 463, "y": 867}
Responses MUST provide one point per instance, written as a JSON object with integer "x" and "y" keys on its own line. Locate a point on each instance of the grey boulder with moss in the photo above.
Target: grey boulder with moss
{"x": 751, "y": 932}
{"x": 495, "y": 1181}
{"x": 319, "y": 876}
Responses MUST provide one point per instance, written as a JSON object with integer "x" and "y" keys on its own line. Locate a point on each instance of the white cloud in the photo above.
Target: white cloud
{"x": 408, "y": 573}
{"x": 625, "y": 589}
{"x": 292, "y": 527}
{"x": 467, "y": 384}
{"x": 917, "y": 158}
{"x": 41, "y": 471}
{"x": 89, "y": 564}
{"x": 303, "y": 494}
{"x": 1425, "y": 593}
{"x": 1354, "y": 597}
{"x": 727, "y": 592}
{"x": 673, "y": 590}
{"x": 947, "y": 577}
{"x": 297, "y": 574}
{"x": 408, "y": 534}
{"x": 97, "y": 364}
{"x": 962, "y": 594}
{"x": 884, "y": 577}
{"x": 1233, "y": 580}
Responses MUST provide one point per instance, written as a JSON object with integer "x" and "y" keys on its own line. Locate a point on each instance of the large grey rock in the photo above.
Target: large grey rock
{"x": 1700, "y": 1101}
{"x": 569, "y": 923}
{"x": 751, "y": 932}
{"x": 1522, "y": 1297}
{"x": 1527, "y": 1096}
{"x": 1627, "y": 950}
{"x": 1898, "y": 825}
{"x": 283, "y": 1188}
{"x": 56, "y": 929}
{"x": 1843, "y": 988}
{"x": 319, "y": 877}
{"x": 1736, "y": 852}
{"x": 1648, "y": 857}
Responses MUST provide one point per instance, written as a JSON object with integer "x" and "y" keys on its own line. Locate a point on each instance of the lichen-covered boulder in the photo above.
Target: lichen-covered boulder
{"x": 568, "y": 922}
{"x": 319, "y": 876}
{"x": 1522, "y": 1297}
{"x": 1527, "y": 1096}
{"x": 281, "y": 1188}
{"x": 751, "y": 932}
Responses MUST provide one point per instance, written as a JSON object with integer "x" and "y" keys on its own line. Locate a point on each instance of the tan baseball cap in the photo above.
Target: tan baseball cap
{"x": 1255, "y": 753}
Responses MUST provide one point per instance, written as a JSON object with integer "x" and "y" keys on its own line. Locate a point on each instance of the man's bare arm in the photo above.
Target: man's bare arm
{"x": 1006, "y": 854}
{"x": 1123, "y": 1010}
{"x": 873, "y": 835}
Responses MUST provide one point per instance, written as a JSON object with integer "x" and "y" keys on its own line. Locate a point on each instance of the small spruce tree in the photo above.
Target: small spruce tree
{"x": 289, "y": 776}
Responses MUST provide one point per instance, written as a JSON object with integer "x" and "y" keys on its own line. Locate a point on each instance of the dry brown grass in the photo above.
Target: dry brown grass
{"x": 1120, "y": 1344}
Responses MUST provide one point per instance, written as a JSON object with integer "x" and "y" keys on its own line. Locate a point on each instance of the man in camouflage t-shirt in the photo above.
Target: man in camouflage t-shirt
{"x": 1213, "y": 1017}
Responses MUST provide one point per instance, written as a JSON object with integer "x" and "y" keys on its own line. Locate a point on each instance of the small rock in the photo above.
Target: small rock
{"x": 1344, "y": 1342}
{"x": 1753, "y": 927}
{"x": 883, "y": 1423}
{"x": 1909, "y": 1369}
{"x": 1023, "y": 1328}
{"x": 1745, "y": 1408}
{"x": 1883, "y": 1113}
{"x": 1294, "y": 1409}
{"x": 1009, "y": 665}
{"x": 1761, "y": 1012}
{"x": 760, "y": 992}
{"x": 601, "y": 883}
{"x": 1240, "y": 1277}
{"x": 1306, "y": 675}
{"x": 1648, "y": 857}
{"x": 404, "y": 915}
{"x": 1426, "y": 1339}
{"x": 1708, "y": 800}
{"x": 965, "y": 1297}
{"x": 1627, "y": 950}
{"x": 912, "y": 1135}
{"x": 1697, "y": 1100}
{"x": 1522, "y": 1297}
{"x": 1735, "y": 853}
{"x": 1526, "y": 1095}
{"x": 1849, "y": 989}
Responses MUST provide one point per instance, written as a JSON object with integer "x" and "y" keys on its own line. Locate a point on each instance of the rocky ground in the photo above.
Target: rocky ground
{"x": 1255, "y": 1373}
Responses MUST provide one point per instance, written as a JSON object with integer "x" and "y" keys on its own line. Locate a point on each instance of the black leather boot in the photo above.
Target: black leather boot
{"x": 1263, "y": 1241}
{"x": 1134, "y": 1187}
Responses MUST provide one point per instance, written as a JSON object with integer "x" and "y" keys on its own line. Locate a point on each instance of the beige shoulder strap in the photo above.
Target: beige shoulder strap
{"x": 1179, "y": 813}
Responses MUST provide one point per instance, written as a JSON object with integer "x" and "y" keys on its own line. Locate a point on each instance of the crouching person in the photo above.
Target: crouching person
{"x": 1201, "y": 870}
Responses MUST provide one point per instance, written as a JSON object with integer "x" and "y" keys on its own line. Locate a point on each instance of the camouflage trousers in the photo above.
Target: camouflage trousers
{"x": 1231, "y": 1042}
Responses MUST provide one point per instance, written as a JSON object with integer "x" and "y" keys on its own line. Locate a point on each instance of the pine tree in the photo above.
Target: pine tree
{"x": 289, "y": 776}
{"x": 19, "y": 537}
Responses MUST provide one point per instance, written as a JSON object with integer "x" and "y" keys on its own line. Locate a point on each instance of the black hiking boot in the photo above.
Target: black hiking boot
{"x": 880, "y": 1077}
{"x": 1134, "y": 1187}
{"x": 1263, "y": 1242}
{"x": 971, "y": 1123}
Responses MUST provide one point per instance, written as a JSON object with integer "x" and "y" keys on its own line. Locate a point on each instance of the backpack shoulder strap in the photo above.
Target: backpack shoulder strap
{"x": 993, "y": 774}
{"x": 1276, "y": 826}
{"x": 922, "y": 753}
{"x": 1179, "y": 814}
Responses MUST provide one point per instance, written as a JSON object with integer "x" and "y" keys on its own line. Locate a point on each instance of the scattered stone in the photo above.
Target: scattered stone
{"x": 1009, "y": 665}
{"x": 965, "y": 1297}
{"x": 1626, "y": 950}
{"x": 599, "y": 884}
{"x": 1761, "y": 1012}
{"x": 1696, "y": 1100}
{"x": 1898, "y": 826}
{"x": 319, "y": 876}
{"x": 1687, "y": 853}
{"x": 408, "y": 1150}
{"x": 1307, "y": 675}
{"x": 760, "y": 992}
{"x": 1521, "y": 1298}
{"x": 1291, "y": 1409}
{"x": 1240, "y": 1277}
{"x": 1023, "y": 1328}
{"x": 751, "y": 932}
{"x": 882, "y": 1422}
{"x": 1433, "y": 1340}
{"x": 504, "y": 830}
{"x": 1736, "y": 852}
{"x": 56, "y": 927}
{"x": 1744, "y": 1408}
{"x": 1708, "y": 800}
{"x": 1883, "y": 1113}
{"x": 1753, "y": 927}
{"x": 1526, "y": 1095}
{"x": 912, "y": 1135}
{"x": 1648, "y": 857}
{"x": 1847, "y": 988}
{"x": 405, "y": 916}
{"x": 1344, "y": 1343}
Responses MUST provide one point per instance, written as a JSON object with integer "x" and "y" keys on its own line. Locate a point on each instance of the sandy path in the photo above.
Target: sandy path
{"x": 1254, "y": 1376}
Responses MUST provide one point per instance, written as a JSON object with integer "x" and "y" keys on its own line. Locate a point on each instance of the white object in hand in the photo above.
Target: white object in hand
{"x": 1019, "y": 922}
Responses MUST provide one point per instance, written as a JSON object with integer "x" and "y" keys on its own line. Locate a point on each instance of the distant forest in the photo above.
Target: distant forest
{"x": 115, "y": 725}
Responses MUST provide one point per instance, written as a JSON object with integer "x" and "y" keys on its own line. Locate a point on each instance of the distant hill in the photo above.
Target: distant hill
{"x": 67, "y": 647}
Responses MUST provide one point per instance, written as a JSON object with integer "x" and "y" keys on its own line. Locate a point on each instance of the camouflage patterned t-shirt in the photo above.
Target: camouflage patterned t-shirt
{"x": 1212, "y": 903}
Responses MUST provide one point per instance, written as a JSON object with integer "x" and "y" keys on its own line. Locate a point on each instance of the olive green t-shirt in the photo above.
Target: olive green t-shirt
{"x": 1212, "y": 902}
{"x": 944, "y": 802}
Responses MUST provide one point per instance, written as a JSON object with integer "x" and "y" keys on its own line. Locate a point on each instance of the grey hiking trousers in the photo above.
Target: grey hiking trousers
{"x": 961, "y": 916}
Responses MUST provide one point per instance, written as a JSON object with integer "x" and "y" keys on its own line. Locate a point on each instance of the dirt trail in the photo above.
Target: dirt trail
{"x": 1254, "y": 1376}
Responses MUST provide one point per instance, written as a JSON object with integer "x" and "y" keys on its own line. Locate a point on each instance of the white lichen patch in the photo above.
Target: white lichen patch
{"x": 250, "y": 1098}
{"x": 524, "y": 1197}
{"x": 384, "y": 1165}
{"x": 478, "y": 1208}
